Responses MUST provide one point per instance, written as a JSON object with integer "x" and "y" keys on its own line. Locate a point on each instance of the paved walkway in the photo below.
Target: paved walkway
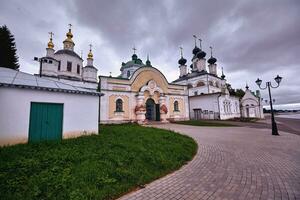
{"x": 232, "y": 163}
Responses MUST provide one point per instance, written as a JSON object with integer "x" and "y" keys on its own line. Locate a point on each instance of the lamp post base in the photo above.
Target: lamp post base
{"x": 274, "y": 129}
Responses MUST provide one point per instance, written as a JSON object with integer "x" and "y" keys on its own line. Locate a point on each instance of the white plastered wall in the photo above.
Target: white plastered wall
{"x": 80, "y": 112}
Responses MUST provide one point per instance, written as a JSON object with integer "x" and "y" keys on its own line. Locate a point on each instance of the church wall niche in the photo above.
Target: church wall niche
{"x": 112, "y": 107}
{"x": 176, "y": 115}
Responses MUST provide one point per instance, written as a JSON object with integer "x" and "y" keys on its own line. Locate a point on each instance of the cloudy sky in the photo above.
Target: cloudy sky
{"x": 251, "y": 38}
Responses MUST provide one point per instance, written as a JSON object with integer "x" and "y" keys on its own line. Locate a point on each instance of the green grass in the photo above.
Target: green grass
{"x": 204, "y": 123}
{"x": 100, "y": 166}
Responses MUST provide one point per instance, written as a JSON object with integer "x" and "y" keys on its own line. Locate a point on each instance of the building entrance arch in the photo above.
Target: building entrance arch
{"x": 152, "y": 110}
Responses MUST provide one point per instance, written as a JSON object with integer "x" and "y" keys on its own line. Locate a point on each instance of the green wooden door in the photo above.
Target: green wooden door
{"x": 45, "y": 121}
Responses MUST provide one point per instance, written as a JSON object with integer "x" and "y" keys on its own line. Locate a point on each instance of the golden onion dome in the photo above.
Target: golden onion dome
{"x": 90, "y": 54}
{"x": 50, "y": 44}
{"x": 69, "y": 34}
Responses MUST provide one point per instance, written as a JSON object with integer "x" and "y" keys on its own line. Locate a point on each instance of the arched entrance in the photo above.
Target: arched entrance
{"x": 152, "y": 110}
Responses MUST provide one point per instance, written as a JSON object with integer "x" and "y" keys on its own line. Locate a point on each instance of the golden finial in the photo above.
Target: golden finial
{"x": 69, "y": 34}
{"x": 90, "y": 55}
{"x": 50, "y": 43}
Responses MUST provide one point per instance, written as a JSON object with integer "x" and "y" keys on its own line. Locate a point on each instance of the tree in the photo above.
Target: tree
{"x": 230, "y": 89}
{"x": 8, "y": 56}
{"x": 240, "y": 93}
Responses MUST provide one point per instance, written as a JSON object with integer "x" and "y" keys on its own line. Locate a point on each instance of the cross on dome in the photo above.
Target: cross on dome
{"x": 134, "y": 49}
{"x": 51, "y": 34}
{"x": 195, "y": 38}
{"x": 181, "y": 53}
{"x": 50, "y": 43}
{"x": 90, "y": 55}
{"x": 200, "y": 41}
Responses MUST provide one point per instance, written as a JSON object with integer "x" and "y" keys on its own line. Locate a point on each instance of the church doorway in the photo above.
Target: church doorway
{"x": 152, "y": 110}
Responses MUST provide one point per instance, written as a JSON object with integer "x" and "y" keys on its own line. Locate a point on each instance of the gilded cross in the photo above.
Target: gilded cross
{"x": 210, "y": 51}
{"x": 70, "y": 26}
{"x": 91, "y": 47}
{"x": 51, "y": 34}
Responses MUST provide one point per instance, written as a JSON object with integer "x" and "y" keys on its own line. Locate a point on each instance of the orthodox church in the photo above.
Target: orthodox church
{"x": 66, "y": 65}
{"x": 209, "y": 97}
{"x": 141, "y": 92}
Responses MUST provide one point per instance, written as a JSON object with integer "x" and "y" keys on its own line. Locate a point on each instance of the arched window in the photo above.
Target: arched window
{"x": 200, "y": 83}
{"x": 119, "y": 105}
{"x": 211, "y": 83}
{"x": 189, "y": 86}
{"x": 128, "y": 74}
{"x": 176, "y": 108}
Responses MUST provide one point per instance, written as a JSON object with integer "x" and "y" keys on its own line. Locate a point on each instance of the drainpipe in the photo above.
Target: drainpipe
{"x": 189, "y": 107}
{"x": 219, "y": 105}
{"x": 207, "y": 83}
{"x": 99, "y": 90}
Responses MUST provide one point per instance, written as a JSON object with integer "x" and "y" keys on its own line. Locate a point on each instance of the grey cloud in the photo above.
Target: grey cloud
{"x": 250, "y": 38}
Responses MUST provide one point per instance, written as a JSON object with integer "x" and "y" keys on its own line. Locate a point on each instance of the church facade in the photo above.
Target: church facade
{"x": 142, "y": 93}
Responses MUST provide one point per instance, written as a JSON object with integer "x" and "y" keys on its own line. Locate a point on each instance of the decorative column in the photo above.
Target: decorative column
{"x": 140, "y": 108}
{"x": 163, "y": 108}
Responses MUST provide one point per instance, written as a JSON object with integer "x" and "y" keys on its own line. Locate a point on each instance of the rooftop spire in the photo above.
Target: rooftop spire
{"x": 90, "y": 54}
{"x": 247, "y": 87}
{"x": 148, "y": 63}
{"x": 69, "y": 34}
{"x": 68, "y": 42}
{"x": 223, "y": 76}
{"x": 195, "y": 38}
{"x": 200, "y": 41}
{"x": 50, "y": 43}
{"x": 212, "y": 60}
{"x": 181, "y": 61}
{"x": 181, "y": 52}
{"x": 134, "y": 49}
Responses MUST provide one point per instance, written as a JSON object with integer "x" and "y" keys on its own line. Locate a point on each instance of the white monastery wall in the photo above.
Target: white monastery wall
{"x": 80, "y": 112}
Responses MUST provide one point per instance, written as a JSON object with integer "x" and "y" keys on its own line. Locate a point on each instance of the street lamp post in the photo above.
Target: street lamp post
{"x": 269, "y": 86}
{"x": 40, "y": 60}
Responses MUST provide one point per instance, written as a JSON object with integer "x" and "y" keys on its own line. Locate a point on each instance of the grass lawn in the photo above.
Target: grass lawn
{"x": 204, "y": 123}
{"x": 100, "y": 166}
